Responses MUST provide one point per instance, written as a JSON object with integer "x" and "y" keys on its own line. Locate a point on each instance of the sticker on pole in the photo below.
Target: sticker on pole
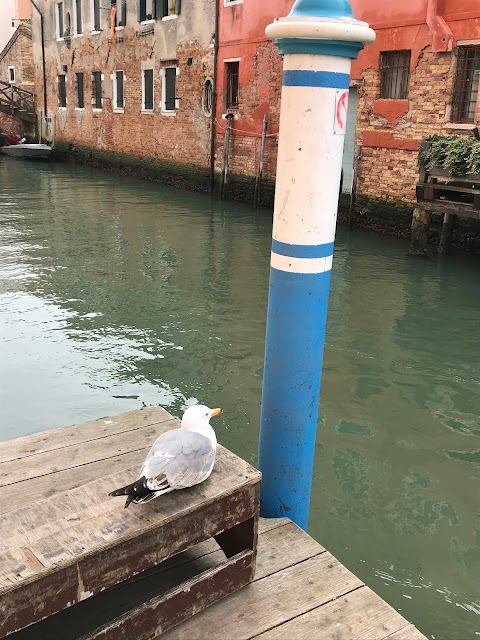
{"x": 341, "y": 104}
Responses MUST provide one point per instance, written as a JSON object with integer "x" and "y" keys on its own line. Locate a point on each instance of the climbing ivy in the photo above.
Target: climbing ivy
{"x": 459, "y": 155}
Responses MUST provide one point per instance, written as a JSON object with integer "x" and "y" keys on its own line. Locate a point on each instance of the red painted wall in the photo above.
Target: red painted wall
{"x": 399, "y": 25}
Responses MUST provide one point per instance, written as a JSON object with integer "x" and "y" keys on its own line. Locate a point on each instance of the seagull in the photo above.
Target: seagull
{"x": 179, "y": 458}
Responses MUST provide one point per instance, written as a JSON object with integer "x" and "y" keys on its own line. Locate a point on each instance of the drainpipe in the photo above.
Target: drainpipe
{"x": 213, "y": 125}
{"x": 441, "y": 32}
{"x": 45, "y": 108}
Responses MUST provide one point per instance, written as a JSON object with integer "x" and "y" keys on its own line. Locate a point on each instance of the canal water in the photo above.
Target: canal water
{"x": 115, "y": 292}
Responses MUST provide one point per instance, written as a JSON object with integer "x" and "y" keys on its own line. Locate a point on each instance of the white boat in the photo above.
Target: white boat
{"x": 37, "y": 151}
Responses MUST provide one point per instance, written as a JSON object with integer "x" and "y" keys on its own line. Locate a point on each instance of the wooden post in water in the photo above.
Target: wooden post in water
{"x": 420, "y": 228}
{"x": 226, "y": 151}
{"x": 445, "y": 245}
{"x": 260, "y": 161}
{"x": 318, "y": 40}
{"x": 353, "y": 194}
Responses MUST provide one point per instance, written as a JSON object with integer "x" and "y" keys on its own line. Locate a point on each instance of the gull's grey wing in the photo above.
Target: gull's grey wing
{"x": 178, "y": 459}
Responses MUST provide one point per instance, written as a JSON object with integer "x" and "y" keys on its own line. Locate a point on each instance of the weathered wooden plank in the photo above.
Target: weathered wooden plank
{"x": 270, "y": 601}
{"x": 160, "y": 614}
{"x": 360, "y": 614}
{"x": 76, "y": 434}
{"x": 278, "y": 548}
{"x": 76, "y": 455}
{"x": 24, "y": 493}
{"x": 408, "y": 632}
{"x": 456, "y": 208}
{"x": 265, "y": 524}
{"x": 78, "y": 521}
{"x": 84, "y": 575}
{"x": 67, "y": 512}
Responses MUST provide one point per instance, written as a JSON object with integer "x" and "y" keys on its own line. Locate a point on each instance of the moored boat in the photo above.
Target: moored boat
{"x": 36, "y": 151}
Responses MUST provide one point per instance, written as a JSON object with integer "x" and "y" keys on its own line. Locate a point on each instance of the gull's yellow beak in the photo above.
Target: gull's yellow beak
{"x": 216, "y": 412}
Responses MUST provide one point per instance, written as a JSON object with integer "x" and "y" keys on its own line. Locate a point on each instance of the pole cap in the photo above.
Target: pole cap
{"x": 324, "y": 8}
{"x": 320, "y": 27}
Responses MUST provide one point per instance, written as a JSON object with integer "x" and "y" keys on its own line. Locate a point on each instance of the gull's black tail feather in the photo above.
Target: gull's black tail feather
{"x": 136, "y": 492}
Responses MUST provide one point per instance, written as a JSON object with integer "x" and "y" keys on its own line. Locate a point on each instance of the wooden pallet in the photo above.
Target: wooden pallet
{"x": 64, "y": 541}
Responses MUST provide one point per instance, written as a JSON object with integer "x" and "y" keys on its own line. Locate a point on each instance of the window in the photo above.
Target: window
{"x": 118, "y": 90}
{"x": 231, "y": 101}
{"x": 147, "y": 90}
{"x": 79, "y": 93}
{"x": 97, "y": 89}
{"x": 121, "y": 12}
{"x": 150, "y": 9}
{"x": 11, "y": 75}
{"x": 62, "y": 90}
{"x": 78, "y": 17}
{"x": 145, "y": 10}
{"x": 59, "y": 19}
{"x": 169, "y": 89}
{"x": 168, "y": 8}
{"x": 394, "y": 74}
{"x": 96, "y": 15}
{"x": 227, "y": 3}
{"x": 465, "y": 91}
{"x": 208, "y": 96}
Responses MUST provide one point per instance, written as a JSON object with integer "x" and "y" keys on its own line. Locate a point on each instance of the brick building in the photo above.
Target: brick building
{"x": 144, "y": 90}
{"x": 16, "y": 59}
{"x": 130, "y": 80}
{"x": 421, "y": 76}
{"x": 17, "y": 70}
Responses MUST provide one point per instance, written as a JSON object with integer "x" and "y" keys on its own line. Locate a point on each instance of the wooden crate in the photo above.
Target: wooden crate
{"x": 64, "y": 540}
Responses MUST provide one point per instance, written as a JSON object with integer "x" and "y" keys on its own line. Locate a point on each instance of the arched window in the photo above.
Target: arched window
{"x": 208, "y": 96}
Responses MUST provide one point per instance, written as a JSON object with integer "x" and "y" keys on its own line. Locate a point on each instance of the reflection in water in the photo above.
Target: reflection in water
{"x": 115, "y": 292}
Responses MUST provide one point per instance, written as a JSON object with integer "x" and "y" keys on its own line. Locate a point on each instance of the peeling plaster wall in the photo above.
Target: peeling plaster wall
{"x": 185, "y": 42}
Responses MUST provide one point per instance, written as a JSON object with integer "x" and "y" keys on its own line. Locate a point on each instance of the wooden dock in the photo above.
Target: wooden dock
{"x": 56, "y": 519}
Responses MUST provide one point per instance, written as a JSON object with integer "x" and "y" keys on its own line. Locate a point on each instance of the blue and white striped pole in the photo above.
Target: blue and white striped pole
{"x": 318, "y": 39}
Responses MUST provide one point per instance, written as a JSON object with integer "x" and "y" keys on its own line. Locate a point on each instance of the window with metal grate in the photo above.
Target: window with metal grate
{"x": 394, "y": 74}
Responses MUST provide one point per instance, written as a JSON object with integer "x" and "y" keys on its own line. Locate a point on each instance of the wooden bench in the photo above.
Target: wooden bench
{"x": 64, "y": 541}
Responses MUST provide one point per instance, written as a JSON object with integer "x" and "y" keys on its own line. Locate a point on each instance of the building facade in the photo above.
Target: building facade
{"x": 16, "y": 72}
{"x": 420, "y": 77}
{"x": 130, "y": 77}
{"x": 141, "y": 78}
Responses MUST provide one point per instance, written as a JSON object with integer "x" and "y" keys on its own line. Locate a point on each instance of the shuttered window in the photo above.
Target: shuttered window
{"x": 62, "y": 91}
{"x": 96, "y": 15}
{"x": 147, "y": 89}
{"x": 146, "y": 10}
{"x": 97, "y": 89}
{"x": 78, "y": 17}
{"x": 169, "y": 88}
{"x": 119, "y": 102}
{"x": 60, "y": 27}
{"x": 80, "y": 102}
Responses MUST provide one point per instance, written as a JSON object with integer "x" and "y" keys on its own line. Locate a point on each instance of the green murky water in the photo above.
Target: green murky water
{"x": 115, "y": 292}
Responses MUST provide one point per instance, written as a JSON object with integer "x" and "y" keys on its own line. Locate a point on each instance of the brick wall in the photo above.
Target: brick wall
{"x": 259, "y": 94}
{"x": 180, "y": 137}
{"x": 386, "y": 169}
{"x": 8, "y": 123}
{"x": 18, "y": 53}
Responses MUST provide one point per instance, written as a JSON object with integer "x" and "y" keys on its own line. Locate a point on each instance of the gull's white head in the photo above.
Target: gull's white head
{"x": 197, "y": 417}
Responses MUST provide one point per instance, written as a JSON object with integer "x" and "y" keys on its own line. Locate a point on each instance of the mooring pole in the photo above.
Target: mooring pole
{"x": 318, "y": 40}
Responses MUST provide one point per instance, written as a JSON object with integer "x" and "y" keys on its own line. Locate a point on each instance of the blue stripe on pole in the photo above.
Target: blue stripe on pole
{"x": 327, "y": 79}
{"x": 296, "y": 320}
{"x": 302, "y": 250}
